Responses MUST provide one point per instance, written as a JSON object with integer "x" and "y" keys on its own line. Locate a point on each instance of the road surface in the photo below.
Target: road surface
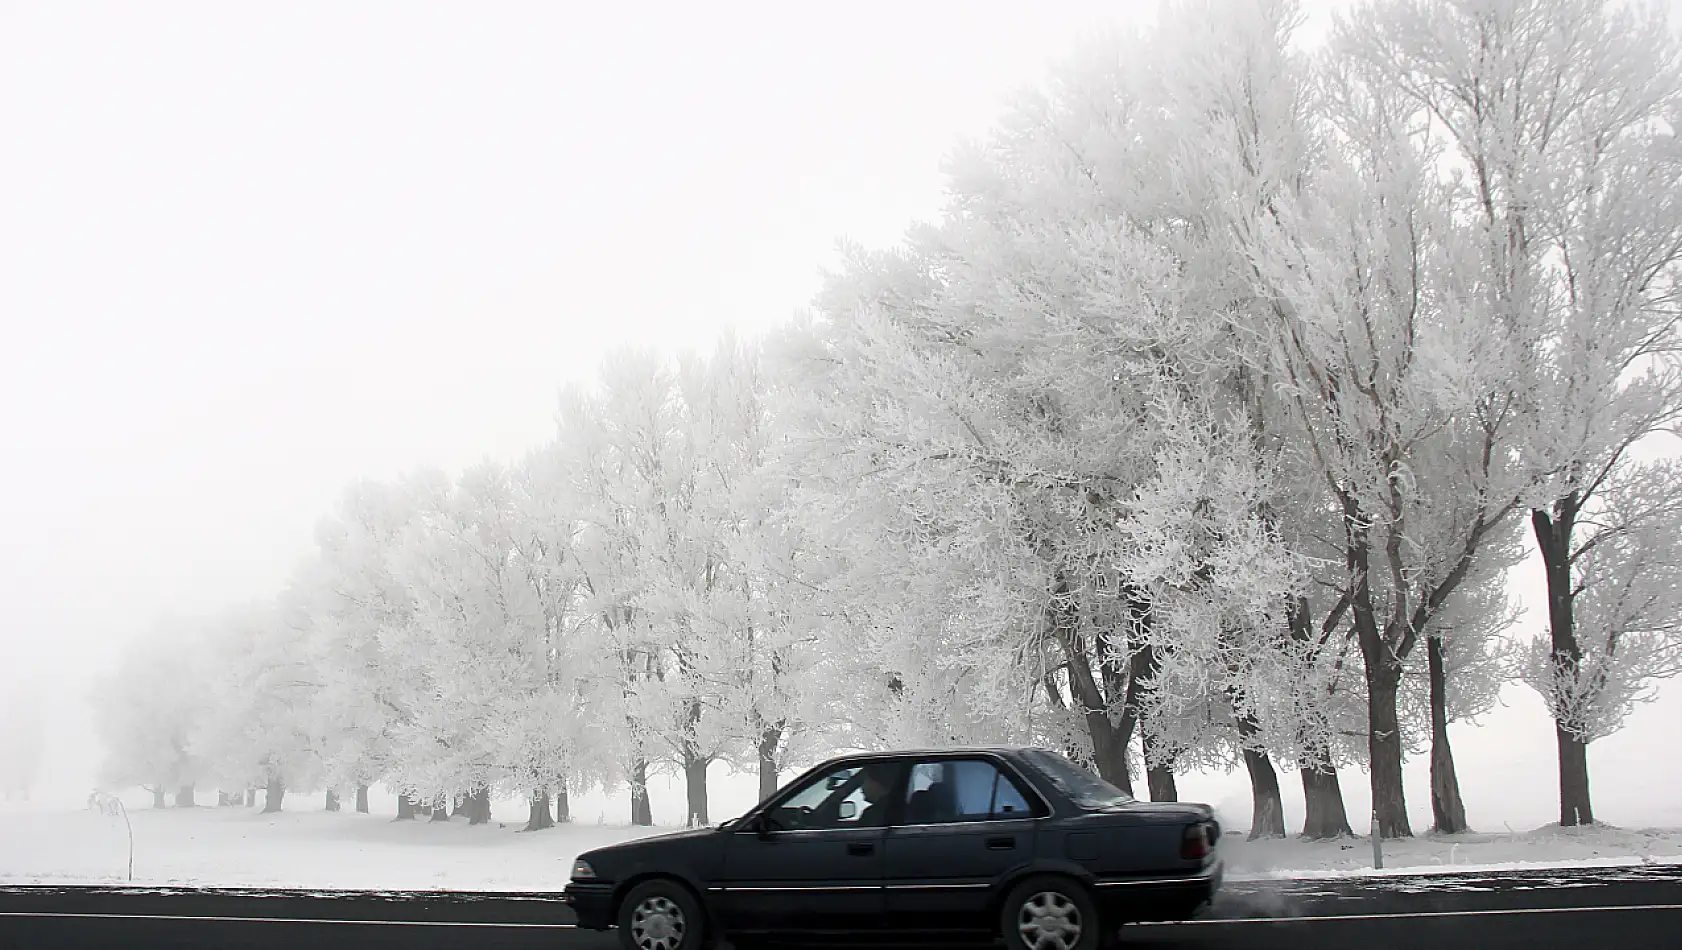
{"x": 1616, "y": 908}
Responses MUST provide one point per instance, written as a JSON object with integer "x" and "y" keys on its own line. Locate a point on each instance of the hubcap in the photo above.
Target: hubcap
{"x": 1049, "y": 921}
{"x": 657, "y": 924}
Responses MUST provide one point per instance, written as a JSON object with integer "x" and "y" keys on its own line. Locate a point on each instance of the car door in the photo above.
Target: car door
{"x": 818, "y": 867}
{"x": 964, "y": 824}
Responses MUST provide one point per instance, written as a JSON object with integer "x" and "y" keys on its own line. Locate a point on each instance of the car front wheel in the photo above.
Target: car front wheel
{"x": 1050, "y": 913}
{"x": 661, "y": 915}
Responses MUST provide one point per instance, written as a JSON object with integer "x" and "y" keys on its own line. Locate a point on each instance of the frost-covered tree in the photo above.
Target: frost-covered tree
{"x": 651, "y": 568}
{"x": 759, "y": 605}
{"x": 1401, "y": 384}
{"x": 150, "y": 712}
{"x": 1039, "y": 395}
{"x": 358, "y": 608}
{"x": 263, "y": 732}
{"x": 1562, "y": 117}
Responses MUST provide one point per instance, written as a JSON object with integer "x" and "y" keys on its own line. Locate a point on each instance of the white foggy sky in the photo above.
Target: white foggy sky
{"x": 251, "y": 251}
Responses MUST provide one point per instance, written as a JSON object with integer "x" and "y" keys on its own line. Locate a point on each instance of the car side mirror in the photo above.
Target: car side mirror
{"x": 761, "y": 825}
{"x": 849, "y": 810}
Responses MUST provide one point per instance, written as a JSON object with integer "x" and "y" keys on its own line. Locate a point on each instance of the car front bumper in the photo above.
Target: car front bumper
{"x": 591, "y": 903}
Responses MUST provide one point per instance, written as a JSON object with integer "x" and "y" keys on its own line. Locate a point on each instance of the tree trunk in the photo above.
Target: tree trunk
{"x": 1109, "y": 739}
{"x": 1324, "y": 815}
{"x": 1382, "y": 667}
{"x": 406, "y": 810}
{"x": 1267, "y": 806}
{"x": 1553, "y": 539}
{"x": 642, "y": 812}
{"x": 362, "y": 799}
{"x": 478, "y": 806}
{"x": 1159, "y": 776}
{"x": 1384, "y": 745}
{"x": 332, "y": 803}
{"x": 221, "y": 799}
{"x": 184, "y": 797}
{"x": 1574, "y": 805}
{"x": 695, "y": 784}
{"x": 769, "y": 739}
{"x": 458, "y": 807}
{"x": 272, "y": 795}
{"x": 250, "y": 797}
{"x": 539, "y": 818}
{"x": 1448, "y": 812}
{"x": 563, "y": 802}
{"x": 1160, "y": 780}
{"x": 441, "y": 808}
{"x": 158, "y": 797}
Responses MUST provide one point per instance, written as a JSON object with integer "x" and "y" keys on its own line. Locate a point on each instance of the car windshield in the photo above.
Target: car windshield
{"x": 1082, "y": 787}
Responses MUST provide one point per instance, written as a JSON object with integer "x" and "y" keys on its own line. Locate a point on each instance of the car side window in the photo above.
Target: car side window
{"x": 848, "y": 797}
{"x": 957, "y": 790}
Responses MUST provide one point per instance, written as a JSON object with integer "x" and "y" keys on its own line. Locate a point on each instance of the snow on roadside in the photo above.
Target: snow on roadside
{"x": 238, "y": 847}
{"x": 1547, "y": 847}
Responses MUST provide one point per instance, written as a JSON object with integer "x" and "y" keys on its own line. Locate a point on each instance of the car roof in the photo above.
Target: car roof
{"x": 1003, "y": 750}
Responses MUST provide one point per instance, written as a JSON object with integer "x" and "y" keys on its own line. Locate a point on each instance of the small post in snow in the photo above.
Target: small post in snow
{"x": 112, "y": 807}
{"x": 1377, "y": 844}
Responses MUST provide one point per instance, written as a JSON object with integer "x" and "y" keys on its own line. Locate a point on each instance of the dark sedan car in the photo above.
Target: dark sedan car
{"x": 1018, "y": 843}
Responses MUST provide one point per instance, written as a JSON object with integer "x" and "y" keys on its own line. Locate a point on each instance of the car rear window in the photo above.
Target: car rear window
{"x": 1079, "y": 785}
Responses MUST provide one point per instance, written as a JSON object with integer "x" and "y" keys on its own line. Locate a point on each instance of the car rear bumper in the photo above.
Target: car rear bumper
{"x": 1174, "y": 897}
{"x": 592, "y": 904}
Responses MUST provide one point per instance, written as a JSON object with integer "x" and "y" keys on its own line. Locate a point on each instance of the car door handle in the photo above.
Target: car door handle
{"x": 860, "y": 848}
{"x": 1001, "y": 843}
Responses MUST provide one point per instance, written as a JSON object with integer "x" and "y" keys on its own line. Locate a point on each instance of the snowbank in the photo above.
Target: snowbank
{"x": 1549, "y": 846}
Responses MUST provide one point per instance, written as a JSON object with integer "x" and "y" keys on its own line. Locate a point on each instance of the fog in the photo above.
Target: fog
{"x": 249, "y": 252}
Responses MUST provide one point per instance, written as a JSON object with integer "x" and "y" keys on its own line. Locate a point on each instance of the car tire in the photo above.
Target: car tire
{"x": 1050, "y": 912}
{"x": 661, "y": 914}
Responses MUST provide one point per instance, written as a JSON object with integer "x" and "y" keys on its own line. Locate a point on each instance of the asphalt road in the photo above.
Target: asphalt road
{"x": 1637, "y": 907}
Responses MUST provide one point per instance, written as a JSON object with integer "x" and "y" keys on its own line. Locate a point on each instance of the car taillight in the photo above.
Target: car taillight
{"x": 1195, "y": 846}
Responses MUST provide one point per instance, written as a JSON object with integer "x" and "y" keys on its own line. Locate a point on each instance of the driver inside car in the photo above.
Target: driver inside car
{"x": 875, "y": 790}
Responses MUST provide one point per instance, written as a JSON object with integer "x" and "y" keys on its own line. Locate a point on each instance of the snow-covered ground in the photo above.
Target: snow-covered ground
{"x": 1506, "y": 769}
{"x": 239, "y": 847}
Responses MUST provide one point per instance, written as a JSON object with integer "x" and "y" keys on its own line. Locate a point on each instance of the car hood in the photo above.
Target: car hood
{"x": 624, "y": 847}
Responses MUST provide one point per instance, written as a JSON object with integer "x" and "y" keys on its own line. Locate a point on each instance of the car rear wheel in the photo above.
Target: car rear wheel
{"x": 1050, "y": 913}
{"x": 661, "y": 915}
